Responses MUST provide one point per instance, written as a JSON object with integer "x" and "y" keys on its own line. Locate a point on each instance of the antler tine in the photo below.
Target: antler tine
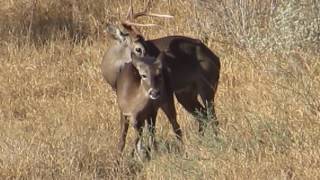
{"x": 159, "y": 15}
{"x": 138, "y": 24}
{"x": 131, "y": 16}
{"x": 130, "y": 11}
{"x": 145, "y": 13}
{"x": 136, "y": 15}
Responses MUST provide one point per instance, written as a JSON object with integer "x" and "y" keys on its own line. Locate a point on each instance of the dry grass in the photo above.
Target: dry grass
{"x": 59, "y": 119}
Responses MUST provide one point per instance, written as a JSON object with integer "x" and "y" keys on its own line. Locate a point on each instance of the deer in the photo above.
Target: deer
{"x": 192, "y": 68}
{"x": 141, "y": 91}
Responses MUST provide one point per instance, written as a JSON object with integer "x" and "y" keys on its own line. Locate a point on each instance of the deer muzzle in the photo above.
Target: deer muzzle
{"x": 154, "y": 94}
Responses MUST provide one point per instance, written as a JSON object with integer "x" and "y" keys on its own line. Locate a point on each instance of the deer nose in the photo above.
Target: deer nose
{"x": 154, "y": 94}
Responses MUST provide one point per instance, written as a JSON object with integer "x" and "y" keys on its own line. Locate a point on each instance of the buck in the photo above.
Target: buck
{"x": 192, "y": 68}
{"x": 141, "y": 91}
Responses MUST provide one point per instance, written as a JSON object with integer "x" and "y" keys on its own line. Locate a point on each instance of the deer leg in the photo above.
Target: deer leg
{"x": 139, "y": 147}
{"x": 124, "y": 123}
{"x": 170, "y": 111}
{"x": 188, "y": 99}
{"x": 152, "y": 129}
{"x": 207, "y": 96}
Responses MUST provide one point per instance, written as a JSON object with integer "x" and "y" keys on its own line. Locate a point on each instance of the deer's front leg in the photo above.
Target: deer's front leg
{"x": 140, "y": 149}
{"x": 124, "y": 124}
{"x": 152, "y": 130}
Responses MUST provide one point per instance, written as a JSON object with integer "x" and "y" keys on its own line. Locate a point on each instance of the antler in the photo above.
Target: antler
{"x": 138, "y": 24}
{"x": 131, "y": 16}
{"x": 145, "y": 12}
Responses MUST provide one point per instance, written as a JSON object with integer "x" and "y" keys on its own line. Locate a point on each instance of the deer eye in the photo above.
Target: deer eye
{"x": 144, "y": 76}
{"x": 138, "y": 50}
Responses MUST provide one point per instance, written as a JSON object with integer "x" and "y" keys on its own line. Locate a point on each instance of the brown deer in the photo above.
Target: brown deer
{"x": 192, "y": 68}
{"x": 141, "y": 91}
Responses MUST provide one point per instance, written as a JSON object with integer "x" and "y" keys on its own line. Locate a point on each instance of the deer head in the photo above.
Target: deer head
{"x": 127, "y": 35}
{"x": 150, "y": 72}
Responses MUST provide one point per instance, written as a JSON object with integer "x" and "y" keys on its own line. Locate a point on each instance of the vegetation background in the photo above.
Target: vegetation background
{"x": 60, "y": 120}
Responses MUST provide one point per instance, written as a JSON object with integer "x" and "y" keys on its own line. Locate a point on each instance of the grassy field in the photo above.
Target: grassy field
{"x": 60, "y": 120}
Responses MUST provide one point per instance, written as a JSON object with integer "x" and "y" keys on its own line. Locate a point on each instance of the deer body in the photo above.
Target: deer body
{"x": 189, "y": 57}
{"x": 192, "y": 69}
{"x": 188, "y": 61}
{"x": 141, "y": 91}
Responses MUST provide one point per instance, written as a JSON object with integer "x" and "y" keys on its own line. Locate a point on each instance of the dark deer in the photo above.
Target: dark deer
{"x": 192, "y": 68}
{"x": 141, "y": 91}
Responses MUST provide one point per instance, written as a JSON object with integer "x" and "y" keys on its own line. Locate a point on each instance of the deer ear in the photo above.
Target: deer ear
{"x": 126, "y": 27}
{"x": 115, "y": 32}
{"x": 159, "y": 60}
{"x": 130, "y": 29}
{"x": 161, "y": 56}
{"x": 135, "y": 59}
{"x": 138, "y": 65}
{"x": 168, "y": 54}
{"x": 165, "y": 58}
{"x": 137, "y": 62}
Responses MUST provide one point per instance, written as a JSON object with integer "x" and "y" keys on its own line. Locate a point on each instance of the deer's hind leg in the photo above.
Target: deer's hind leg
{"x": 188, "y": 99}
{"x": 170, "y": 111}
{"x": 207, "y": 93}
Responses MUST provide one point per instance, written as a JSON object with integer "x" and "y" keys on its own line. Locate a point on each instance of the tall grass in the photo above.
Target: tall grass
{"x": 266, "y": 26}
{"x": 59, "y": 119}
